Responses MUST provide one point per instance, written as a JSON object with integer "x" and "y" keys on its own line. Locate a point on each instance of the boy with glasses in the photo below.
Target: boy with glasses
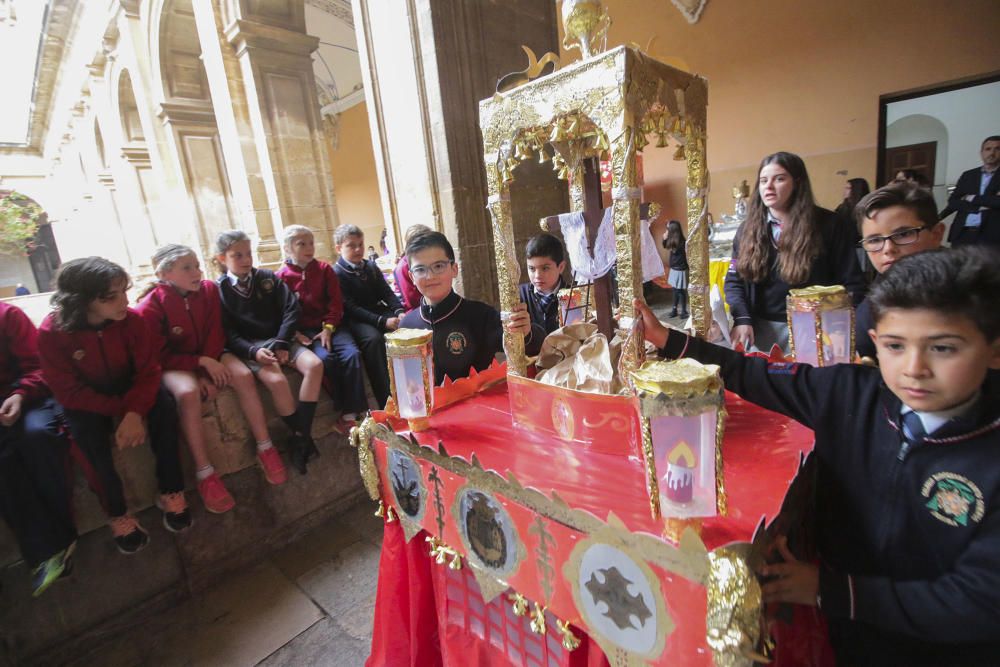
{"x": 467, "y": 334}
{"x": 895, "y": 221}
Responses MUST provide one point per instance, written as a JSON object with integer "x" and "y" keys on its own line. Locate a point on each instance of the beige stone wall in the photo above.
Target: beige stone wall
{"x": 352, "y": 164}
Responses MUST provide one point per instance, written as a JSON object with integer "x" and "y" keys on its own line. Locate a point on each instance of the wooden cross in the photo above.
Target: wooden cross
{"x": 593, "y": 214}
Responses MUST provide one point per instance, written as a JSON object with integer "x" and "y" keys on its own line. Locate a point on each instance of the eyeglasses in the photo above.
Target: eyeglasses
{"x": 437, "y": 268}
{"x": 902, "y": 237}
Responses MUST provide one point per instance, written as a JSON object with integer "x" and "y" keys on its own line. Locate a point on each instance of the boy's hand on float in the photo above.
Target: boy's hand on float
{"x": 742, "y": 333}
{"x": 392, "y": 324}
{"x": 281, "y": 357}
{"x": 794, "y": 581}
{"x": 519, "y": 321}
{"x": 265, "y": 357}
{"x": 655, "y": 332}
{"x": 10, "y": 410}
{"x": 131, "y": 431}
{"x": 303, "y": 339}
{"x": 219, "y": 373}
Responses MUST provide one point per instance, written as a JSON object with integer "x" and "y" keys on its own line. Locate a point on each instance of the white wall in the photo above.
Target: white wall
{"x": 969, "y": 116}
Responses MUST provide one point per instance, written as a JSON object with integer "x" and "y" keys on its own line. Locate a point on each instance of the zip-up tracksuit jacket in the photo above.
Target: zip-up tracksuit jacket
{"x": 910, "y": 537}
{"x": 189, "y": 325}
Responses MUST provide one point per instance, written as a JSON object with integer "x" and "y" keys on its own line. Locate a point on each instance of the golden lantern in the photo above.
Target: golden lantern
{"x": 411, "y": 374}
{"x": 821, "y": 325}
{"x": 681, "y": 409}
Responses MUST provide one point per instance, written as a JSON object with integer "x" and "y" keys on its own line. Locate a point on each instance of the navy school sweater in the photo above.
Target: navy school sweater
{"x": 910, "y": 541}
{"x": 270, "y": 313}
{"x": 467, "y": 334}
{"x": 367, "y": 296}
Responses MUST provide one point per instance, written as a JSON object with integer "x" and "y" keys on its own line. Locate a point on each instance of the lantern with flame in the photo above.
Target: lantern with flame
{"x": 411, "y": 374}
{"x": 681, "y": 410}
{"x": 574, "y": 304}
{"x": 821, "y": 325}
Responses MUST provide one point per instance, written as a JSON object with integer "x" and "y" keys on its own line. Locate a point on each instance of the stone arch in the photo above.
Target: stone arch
{"x": 35, "y": 269}
{"x": 920, "y": 128}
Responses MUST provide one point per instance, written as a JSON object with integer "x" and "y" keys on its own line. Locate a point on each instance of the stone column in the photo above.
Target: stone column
{"x": 265, "y": 97}
{"x": 426, "y": 64}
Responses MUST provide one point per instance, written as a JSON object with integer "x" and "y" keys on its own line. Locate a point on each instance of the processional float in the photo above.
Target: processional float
{"x": 596, "y": 513}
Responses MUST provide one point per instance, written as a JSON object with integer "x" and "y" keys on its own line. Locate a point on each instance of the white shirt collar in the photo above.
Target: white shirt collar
{"x": 932, "y": 421}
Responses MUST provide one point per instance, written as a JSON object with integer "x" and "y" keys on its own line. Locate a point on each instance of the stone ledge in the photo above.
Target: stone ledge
{"x": 109, "y": 593}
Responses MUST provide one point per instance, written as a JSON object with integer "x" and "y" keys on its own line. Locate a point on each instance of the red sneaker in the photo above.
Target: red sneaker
{"x": 270, "y": 463}
{"x": 214, "y": 494}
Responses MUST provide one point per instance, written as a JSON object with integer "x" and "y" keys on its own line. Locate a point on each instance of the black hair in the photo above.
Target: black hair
{"x": 546, "y": 245}
{"x": 992, "y": 137}
{"x": 425, "y": 240}
{"x": 226, "y": 240}
{"x": 913, "y": 176}
{"x": 899, "y": 193}
{"x": 960, "y": 282}
{"x": 78, "y": 283}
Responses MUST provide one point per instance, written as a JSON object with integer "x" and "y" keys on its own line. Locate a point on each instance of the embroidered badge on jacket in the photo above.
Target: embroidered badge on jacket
{"x": 953, "y": 499}
{"x": 79, "y": 354}
{"x": 456, "y": 343}
{"x": 177, "y": 331}
{"x": 267, "y": 284}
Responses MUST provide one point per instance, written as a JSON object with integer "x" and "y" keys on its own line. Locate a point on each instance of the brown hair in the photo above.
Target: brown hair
{"x": 799, "y": 243}
{"x": 79, "y": 282}
{"x": 899, "y": 193}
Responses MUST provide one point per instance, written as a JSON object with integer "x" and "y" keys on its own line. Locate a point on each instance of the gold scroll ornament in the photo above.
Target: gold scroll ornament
{"x": 585, "y": 24}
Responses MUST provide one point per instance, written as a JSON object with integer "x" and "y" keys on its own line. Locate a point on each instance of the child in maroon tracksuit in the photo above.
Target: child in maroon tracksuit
{"x": 320, "y": 324}
{"x": 186, "y": 313}
{"x": 34, "y": 493}
{"x": 101, "y": 361}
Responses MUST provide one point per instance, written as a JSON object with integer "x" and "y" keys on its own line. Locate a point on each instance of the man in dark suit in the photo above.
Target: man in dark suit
{"x": 977, "y": 199}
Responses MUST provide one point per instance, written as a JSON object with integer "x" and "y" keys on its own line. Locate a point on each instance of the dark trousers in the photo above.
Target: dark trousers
{"x": 35, "y": 486}
{"x": 986, "y": 234}
{"x": 342, "y": 373}
{"x": 94, "y": 435}
{"x": 371, "y": 342}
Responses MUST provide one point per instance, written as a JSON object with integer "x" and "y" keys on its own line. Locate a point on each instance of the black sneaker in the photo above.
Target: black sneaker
{"x": 128, "y": 534}
{"x": 176, "y": 514}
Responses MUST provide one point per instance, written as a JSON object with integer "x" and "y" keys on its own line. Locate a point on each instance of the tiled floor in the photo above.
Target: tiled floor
{"x": 311, "y": 603}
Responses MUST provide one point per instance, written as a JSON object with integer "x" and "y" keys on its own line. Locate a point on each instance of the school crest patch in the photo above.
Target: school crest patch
{"x": 267, "y": 284}
{"x": 177, "y": 331}
{"x": 79, "y": 354}
{"x": 953, "y": 499}
{"x": 456, "y": 343}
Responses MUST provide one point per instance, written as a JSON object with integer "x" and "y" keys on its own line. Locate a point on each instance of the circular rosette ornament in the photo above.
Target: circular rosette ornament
{"x": 409, "y": 490}
{"x": 619, "y": 599}
{"x": 488, "y": 533}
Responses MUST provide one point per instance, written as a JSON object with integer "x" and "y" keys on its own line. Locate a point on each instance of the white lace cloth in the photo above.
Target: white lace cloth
{"x": 587, "y": 267}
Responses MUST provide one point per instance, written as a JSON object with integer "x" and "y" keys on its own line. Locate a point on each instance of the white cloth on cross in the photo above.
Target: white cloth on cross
{"x": 587, "y": 267}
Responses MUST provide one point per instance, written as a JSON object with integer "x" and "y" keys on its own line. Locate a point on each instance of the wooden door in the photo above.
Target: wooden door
{"x": 919, "y": 157}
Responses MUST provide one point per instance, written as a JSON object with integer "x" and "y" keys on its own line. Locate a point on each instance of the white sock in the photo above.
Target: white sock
{"x": 349, "y": 417}
{"x": 265, "y": 445}
{"x": 204, "y": 473}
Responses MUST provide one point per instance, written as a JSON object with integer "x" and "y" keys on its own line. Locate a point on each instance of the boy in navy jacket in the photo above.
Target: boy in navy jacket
{"x": 546, "y": 263}
{"x": 467, "y": 334}
{"x": 907, "y": 465}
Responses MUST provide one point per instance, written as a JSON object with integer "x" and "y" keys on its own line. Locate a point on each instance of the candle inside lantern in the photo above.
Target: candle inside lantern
{"x": 681, "y": 465}
{"x": 680, "y": 405}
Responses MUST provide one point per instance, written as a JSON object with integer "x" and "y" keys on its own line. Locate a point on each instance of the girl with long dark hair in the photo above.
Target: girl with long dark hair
{"x": 785, "y": 242}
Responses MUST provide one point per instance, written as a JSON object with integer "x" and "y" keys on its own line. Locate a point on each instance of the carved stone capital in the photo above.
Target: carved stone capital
{"x": 188, "y": 113}
{"x": 250, "y": 36}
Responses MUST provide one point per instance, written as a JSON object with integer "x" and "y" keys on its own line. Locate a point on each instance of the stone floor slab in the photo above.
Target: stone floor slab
{"x": 345, "y": 587}
{"x": 314, "y": 549}
{"x": 322, "y": 644}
